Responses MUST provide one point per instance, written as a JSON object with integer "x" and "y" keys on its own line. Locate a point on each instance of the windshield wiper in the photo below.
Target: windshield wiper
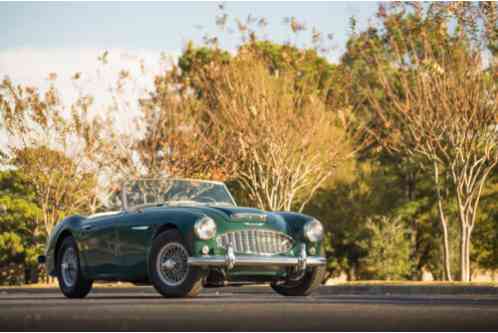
{"x": 228, "y": 204}
{"x": 147, "y": 205}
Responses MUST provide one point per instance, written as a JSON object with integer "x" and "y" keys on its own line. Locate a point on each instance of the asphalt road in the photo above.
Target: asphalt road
{"x": 242, "y": 309}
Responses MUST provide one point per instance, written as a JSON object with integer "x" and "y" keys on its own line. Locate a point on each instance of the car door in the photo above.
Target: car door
{"x": 101, "y": 247}
{"x": 134, "y": 236}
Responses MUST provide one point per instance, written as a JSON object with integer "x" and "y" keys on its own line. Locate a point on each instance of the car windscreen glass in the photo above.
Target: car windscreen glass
{"x": 176, "y": 191}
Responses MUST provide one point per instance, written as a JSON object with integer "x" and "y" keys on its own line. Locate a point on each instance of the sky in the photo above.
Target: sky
{"x": 39, "y": 38}
{"x": 165, "y": 26}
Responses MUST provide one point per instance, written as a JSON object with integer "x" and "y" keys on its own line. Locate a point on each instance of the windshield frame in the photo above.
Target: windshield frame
{"x": 127, "y": 208}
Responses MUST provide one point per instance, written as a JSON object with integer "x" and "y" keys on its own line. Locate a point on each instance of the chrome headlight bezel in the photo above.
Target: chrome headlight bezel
{"x": 205, "y": 228}
{"x": 313, "y": 231}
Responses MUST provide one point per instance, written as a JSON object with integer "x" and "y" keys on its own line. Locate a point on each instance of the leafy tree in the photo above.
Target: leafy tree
{"x": 388, "y": 246}
{"x": 435, "y": 106}
{"x": 20, "y": 237}
{"x": 356, "y": 192}
{"x": 329, "y": 79}
{"x": 193, "y": 57}
{"x": 60, "y": 188}
{"x": 484, "y": 251}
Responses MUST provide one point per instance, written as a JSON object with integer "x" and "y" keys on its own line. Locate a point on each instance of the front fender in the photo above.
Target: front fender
{"x": 69, "y": 225}
{"x": 182, "y": 220}
{"x": 295, "y": 224}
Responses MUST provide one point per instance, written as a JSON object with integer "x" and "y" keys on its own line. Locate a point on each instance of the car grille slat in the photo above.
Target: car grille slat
{"x": 256, "y": 241}
{"x": 266, "y": 242}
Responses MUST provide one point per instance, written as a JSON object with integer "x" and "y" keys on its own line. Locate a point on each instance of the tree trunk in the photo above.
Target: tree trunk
{"x": 444, "y": 226}
{"x": 465, "y": 253}
{"x": 469, "y": 272}
{"x": 446, "y": 251}
{"x": 351, "y": 274}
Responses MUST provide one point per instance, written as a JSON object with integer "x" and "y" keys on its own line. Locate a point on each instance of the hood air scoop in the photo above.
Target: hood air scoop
{"x": 248, "y": 217}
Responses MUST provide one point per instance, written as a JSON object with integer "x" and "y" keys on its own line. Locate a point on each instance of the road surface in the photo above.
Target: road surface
{"x": 242, "y": 309}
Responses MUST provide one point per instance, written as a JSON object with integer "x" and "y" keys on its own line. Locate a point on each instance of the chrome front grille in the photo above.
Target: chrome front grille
{"x": 256, "y": 241}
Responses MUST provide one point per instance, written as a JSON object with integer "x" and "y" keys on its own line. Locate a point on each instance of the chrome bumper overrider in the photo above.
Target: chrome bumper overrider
{"x": 229, "y": 260}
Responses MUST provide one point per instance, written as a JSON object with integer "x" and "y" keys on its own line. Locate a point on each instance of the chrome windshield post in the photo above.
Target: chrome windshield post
{"x": 124, "y": 201}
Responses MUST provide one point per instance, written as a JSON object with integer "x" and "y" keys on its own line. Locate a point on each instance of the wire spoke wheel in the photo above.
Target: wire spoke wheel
{"x": 172, "y": 264}
{"x": 72, "y": 282}
{"x": 69, "y": 267}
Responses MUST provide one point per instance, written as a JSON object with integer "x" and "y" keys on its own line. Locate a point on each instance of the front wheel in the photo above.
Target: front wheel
{"x": 310, "y": 281}
{"x": 168, "y": 269}
{"x": 71, "y": 281}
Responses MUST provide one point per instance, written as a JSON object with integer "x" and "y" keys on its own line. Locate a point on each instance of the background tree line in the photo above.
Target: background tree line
{"x": 394, "y": 147}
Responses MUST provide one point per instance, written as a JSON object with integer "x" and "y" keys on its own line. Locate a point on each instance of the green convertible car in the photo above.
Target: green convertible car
{"x": 181, "y": 235}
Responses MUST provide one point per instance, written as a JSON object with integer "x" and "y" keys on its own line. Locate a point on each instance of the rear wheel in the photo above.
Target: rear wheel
{"x": 168, "y": 268}
{"x": 71, "y": 281}
{"x": 310, "y": 281}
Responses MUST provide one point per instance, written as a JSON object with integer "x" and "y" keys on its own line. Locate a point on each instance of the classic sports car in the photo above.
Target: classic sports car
{"x": 181, "y": 235}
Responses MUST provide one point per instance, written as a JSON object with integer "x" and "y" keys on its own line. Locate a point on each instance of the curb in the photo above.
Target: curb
{"x": 408, "y": 290}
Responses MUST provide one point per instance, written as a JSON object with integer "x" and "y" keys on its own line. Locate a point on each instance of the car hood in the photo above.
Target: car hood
{"x": 230, "y": 211}
{"x": 236, "y": 218}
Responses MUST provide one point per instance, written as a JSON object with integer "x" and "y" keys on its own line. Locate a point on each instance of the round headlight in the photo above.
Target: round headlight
{"x": 313, "y": 231}
{"x": 205, "y": 228}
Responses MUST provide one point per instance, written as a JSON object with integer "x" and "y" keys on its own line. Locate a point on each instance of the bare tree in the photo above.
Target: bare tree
{"x": 43, "y": 144}
{"x": 281, "y": 140}
{"x": 172, "y": 144}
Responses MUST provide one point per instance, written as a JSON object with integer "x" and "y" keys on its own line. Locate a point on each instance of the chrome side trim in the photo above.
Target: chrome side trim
{"x": 140, "y": 227}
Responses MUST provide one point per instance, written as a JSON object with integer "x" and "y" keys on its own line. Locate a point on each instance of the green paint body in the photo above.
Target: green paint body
{"x": 117, "y": 247}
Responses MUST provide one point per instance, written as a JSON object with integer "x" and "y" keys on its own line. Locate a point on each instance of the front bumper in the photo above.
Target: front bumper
{"x": 230, "y": 260}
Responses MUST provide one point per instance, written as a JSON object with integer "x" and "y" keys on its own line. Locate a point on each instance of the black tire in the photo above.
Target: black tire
{"x": 80, "y": 286}
{"x": 311, "y": 280}
{"x": 190, "y": 285}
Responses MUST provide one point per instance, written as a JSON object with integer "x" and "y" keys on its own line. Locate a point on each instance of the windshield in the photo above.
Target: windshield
{"x": 175, "y": 191}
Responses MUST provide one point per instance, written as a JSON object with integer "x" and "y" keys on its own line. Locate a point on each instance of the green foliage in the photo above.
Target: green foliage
{"x": 11, "y": 247}
{"x": 388, "y": 246}
{"x": 20, "y": 241}
{"x": 194, "y": 56}
{"x": 357, "y": 192}
{"x": 315, "y": 72}
{"x": 59, "y": 186}
{"x": 380, "y": 186}
{"x": 485, "y": 245}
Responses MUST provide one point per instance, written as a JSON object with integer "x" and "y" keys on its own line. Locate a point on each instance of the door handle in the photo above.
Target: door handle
{"x": 87, "y": 227}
